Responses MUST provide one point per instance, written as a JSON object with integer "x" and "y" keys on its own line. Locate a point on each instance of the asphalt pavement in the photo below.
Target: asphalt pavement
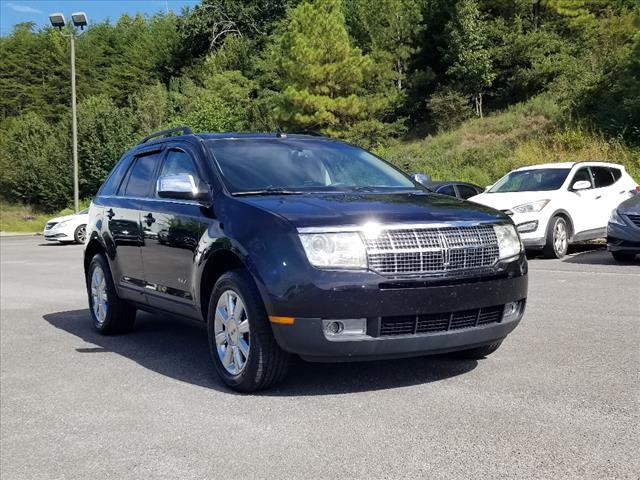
{"x": 559, "y": 399}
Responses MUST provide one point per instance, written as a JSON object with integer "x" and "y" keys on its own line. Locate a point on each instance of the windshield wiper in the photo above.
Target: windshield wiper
{"x": 269, "y": 191}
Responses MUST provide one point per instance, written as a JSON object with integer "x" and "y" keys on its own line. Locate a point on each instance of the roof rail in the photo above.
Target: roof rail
{"x": 184, "y": 131}
{"x": 313, "y": 133}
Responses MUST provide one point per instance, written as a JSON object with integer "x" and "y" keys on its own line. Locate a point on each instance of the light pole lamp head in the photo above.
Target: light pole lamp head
{"x": 79, "y": 19}
{"x": 57, "y": 20}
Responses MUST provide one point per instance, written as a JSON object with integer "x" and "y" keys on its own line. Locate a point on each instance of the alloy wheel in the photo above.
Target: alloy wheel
{"x": 99, "y": 300}
{"x": 82, "y": 234}
{"x": 560, "y": 238}
{"x": 231, "y": 329}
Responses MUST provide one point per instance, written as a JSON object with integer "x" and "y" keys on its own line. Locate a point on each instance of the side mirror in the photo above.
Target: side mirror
{"x": 581, "y": 185}
{"x": 180, "y": 186}
{"x": 422, "y": 178}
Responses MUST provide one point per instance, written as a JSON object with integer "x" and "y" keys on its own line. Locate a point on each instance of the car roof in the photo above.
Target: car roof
{"x": 441, "y": 183}
{"x": 585, "y": 163}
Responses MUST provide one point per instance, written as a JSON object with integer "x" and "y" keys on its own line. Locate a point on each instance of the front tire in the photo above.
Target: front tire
{"x": 478, "y": 352}
{"x": 110, "y": 314}
{"x": 557, "y": 242}
{"x": 623, "y": 256}
{"x": 80, "y": 234}
{"x": 243, "y": 349}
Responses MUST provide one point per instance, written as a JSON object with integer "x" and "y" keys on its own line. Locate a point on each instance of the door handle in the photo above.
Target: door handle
{"x": 110, "y": 214}
{"x": 598, "y": 197}
{"x": 149, "y": 219}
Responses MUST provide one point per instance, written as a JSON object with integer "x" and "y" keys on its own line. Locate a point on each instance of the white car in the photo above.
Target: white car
{"x": 555, "y": 204}
{"x": 70, "y": 228}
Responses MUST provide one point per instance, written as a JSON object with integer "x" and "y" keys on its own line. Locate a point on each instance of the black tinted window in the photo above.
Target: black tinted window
{"x": 617, "y": 173}
{"x": 178, "y": 161}
{"x": 466, "y": 191}
{"x": 447, "y": 190}
{"x": 139, "y": 183}
{"x": 110, "y": 186}
{"x": 602, "y": 176}
{"x": 582, "y": 175}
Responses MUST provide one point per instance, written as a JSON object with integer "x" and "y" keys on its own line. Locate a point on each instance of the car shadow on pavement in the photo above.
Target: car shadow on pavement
{"x": 598, "y": 257}
{"x": 178, "y": 349}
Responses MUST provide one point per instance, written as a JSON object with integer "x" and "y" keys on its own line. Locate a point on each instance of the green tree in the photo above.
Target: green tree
{"x": 389, "y": 32}
{"x": 104, "y": 134}
{"x": 468, "y": 57}
{"x": 35, "y": 162}
{"x": 321, "y": 76}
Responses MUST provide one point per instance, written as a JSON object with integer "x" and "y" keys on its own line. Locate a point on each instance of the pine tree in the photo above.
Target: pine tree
{"x": 321, "y": 76}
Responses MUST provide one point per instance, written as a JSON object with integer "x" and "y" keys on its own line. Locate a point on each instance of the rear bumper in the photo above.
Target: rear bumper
{"x": 306, "y": 337}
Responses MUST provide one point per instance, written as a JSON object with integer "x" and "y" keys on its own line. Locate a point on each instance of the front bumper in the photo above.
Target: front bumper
{"x": 56, "y": 236}
{"x": 305, "y": 337}
{"x": 623, "y": 238}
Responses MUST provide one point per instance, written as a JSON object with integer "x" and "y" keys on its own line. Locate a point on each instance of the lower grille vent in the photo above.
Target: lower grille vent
{"x": 439, "y": 322}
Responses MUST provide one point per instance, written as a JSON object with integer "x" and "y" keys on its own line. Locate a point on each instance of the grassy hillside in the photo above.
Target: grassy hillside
{"x": 482, "y": 150}
{"x": 24, "y": 218}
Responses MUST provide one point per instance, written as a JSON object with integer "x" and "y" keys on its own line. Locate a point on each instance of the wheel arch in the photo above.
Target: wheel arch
{"x": 218, "y": 263}
{"x": 567, "y": 218}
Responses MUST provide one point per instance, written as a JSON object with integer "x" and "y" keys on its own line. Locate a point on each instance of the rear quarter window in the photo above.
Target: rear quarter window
{"x": 111, "y": 184}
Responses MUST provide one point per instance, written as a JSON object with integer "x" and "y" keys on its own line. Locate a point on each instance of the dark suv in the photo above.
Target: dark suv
{"x": 297, "y": 244}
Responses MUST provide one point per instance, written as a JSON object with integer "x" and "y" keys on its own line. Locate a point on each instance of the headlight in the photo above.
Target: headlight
{"x": 615, "y": 218}
{"x": 60, "y": 224}
{"x": 531, "y": 207}
{"x": 508, "y": 241}
{"x": 335, "y": 250}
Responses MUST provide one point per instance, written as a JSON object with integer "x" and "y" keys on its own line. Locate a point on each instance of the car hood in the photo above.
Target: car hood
{"x": 508, "y": 200}
{"x": 69, "y": 217}
{"x": 316, "y": 210}
{"x": 630, "y": 206}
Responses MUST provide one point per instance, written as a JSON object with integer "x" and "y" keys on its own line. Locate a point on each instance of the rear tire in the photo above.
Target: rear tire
{"x": 243, "y": 349}
{"x": 478, "y": 352}
{"x": 623, "y": 256}
{"x": 557, "y": 242}
{"x": 110, "y": 314}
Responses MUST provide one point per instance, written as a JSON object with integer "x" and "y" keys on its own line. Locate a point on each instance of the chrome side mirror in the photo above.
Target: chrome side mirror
{"x": 581, "y": 185}
{"x": 181, "y": 186}
{"x": 422, "y": 178}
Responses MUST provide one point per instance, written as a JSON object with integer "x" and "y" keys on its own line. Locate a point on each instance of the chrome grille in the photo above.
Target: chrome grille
{"x": 432, "y": 251}
{"x": 635, "y": 219}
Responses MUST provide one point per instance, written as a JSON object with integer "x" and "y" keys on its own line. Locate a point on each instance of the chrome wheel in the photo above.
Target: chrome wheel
{"x": 231, "y": 329}
{"x": 560, "y": 238}
{"x": 81, "y": 234}
{"x": 99, "y": 300}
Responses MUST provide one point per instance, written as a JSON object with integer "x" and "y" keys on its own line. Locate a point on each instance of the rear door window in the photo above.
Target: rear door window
{"x": 141, "y": 176}
{"x": 617, "y": 174}
{"x": 466, "y": 191}
{"x": 602, "y": 176}
{"x": 447, "y": 190}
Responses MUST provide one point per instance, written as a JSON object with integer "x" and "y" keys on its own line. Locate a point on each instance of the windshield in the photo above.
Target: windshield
{"x": 534, "y": 180}
{"x": 302, "y": 165}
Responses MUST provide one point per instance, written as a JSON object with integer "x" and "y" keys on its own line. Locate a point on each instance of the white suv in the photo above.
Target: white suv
{"x": 554, "y": 204}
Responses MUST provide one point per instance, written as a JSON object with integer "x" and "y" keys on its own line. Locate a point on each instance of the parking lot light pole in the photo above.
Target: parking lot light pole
{"x": 79, "y": 19}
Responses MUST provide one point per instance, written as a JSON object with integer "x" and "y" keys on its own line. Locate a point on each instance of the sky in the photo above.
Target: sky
{"x": 37, "y": 11}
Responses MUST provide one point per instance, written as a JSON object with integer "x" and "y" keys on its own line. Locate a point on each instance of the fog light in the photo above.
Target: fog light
{"x": 511, "y": 310}
{"x": 349, "y": 329}
{"x": 334, "y": 328}
{"x": 528, "y": 227}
